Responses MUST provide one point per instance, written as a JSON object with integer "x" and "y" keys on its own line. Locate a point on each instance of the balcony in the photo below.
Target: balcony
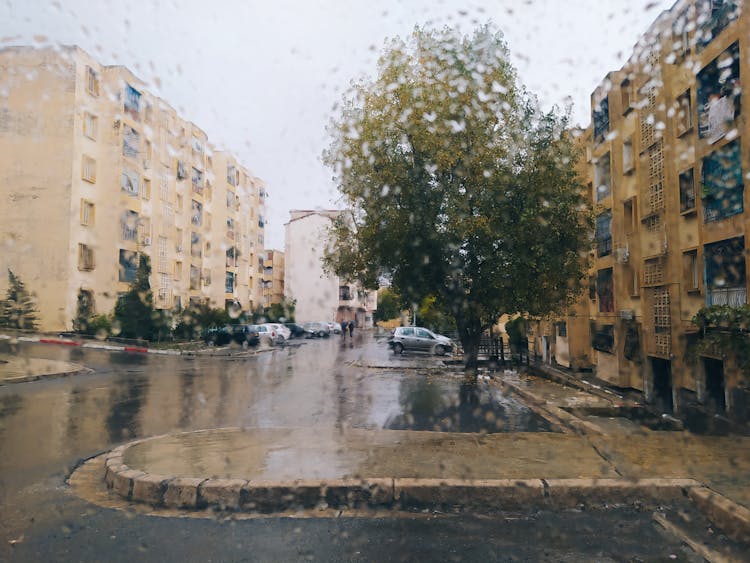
{"x": 732, "y": 296}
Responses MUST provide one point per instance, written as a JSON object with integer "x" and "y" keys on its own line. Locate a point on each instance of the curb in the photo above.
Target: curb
{"x": 37, "y": 377}
{"x": 414, "y": 494}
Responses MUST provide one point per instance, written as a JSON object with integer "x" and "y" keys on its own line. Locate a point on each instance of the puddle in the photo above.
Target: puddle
{"x": 462, "y": 406}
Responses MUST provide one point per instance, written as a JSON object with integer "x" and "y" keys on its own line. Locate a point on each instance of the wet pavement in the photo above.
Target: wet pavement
{"x": 324, "y": 409}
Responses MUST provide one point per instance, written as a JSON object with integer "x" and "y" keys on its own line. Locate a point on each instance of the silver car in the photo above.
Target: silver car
{"x": 419, "y": 339}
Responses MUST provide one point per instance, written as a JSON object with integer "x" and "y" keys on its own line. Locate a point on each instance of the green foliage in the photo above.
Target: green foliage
{"x": 99, "y": 325}
{"x": 84, "y": 312}
{"x": 457, "y": 186}
{"x": 134, "y": 312}
{"x": 724, "y": 332}
{"x": 191, "y": 321}
{"x": 18, "y": 309}
{"x": 389, "y": 305}
{"x": 516, "y": 330}
{"x": 281, "y": 312}
{"x": 434, "y": 317}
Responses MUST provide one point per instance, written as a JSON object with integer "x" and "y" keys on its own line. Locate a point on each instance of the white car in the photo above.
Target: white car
{"x": 268, "y": 335}
{"x": 280, "y": 329}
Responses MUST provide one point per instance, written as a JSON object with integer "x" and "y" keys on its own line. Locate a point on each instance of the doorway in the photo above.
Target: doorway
{"x": 715, "y": 397}
{"x": 662, "y": 372}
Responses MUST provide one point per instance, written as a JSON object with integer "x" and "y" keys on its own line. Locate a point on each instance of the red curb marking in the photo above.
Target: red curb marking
{"x": 135, "y": 349}
{"x": 55, "y": 341}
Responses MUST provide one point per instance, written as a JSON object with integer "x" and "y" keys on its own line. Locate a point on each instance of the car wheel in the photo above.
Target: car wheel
{"x": 320, "y": 334}
{"x": 440, "y": 350}
{"x": 398, "y": 348}
{"x": 281, "y": 340}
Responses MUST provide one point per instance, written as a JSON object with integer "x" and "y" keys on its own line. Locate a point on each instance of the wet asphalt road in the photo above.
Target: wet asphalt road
{"x": 47, "y": 427}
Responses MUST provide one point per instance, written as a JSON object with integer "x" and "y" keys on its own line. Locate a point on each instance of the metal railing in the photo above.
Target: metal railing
{"x": 732, "y": 296}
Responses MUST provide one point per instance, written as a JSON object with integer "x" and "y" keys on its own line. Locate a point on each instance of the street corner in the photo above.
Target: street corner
{"x": 14, "y": 369}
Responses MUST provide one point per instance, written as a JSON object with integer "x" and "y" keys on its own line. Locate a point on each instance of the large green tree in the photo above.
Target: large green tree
{"x": 457, "y": 186}
{"x": 134, "y": 311}
{"x": 18, "y": 309}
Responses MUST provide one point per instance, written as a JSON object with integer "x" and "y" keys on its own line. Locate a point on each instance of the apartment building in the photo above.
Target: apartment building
{"x": 320, "y": 296}
{"x": 97, "y": 171}
{"x": 666, "y": 160}
{"x": 273, "y": 277}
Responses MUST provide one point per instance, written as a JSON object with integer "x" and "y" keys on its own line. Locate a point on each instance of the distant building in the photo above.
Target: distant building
{"x": 319, "y": 296}
{"x": 96, "y": 171}
{"x": 273, "y": 277}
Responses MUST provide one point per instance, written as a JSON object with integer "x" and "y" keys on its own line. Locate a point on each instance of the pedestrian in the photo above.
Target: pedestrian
{"x": 351, "y": 329}
{"x": 343, "y": 330}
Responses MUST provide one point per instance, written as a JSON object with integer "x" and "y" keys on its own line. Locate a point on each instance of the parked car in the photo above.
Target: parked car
{"x": 335, "y": 328}
{"x": 295, "y": 329}
{"x": 245, "y": 334}
{"x": 217, "y": 335}
{"x": 281, "y": 329}
{"x": 267, "y": 335}
{"x": 419, "y": 339}
{"x": 314, "y": 329}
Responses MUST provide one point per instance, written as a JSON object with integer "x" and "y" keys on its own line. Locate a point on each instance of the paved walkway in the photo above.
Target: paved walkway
{"x": 15, "y": 369}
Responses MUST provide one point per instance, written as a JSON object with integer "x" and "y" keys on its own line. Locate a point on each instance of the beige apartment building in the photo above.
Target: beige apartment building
{"x": 95, "y": 171}
{"x": 667, "y": 160}
{"x": 273, "y": 277}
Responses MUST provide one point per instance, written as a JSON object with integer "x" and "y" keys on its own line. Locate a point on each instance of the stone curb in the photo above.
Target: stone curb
{"x": 37, "y": 377}
{"x": 731, "y": 517}
{"x": 269, "y": 496}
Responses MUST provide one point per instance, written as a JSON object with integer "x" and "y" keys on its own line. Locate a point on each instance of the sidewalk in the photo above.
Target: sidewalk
{"x": 15, "y": 369}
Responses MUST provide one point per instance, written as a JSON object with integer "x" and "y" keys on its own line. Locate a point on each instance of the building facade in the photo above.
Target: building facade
{"x": 666, "y": 161}
{"x": 97, "y": 171}
{"x": 273, "y": 278}
{"x": 318, "y": 295}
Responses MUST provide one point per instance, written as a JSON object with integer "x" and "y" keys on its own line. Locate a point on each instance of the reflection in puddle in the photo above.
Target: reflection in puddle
{"x": 466, "y": 406}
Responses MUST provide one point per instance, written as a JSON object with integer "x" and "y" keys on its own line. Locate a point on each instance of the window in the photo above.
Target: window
{"x": 90, "y": 125}
{"x": 146, "y": 189}
{"x": 229, "y": 283}
{"x": 147, "y": 154}
{"x": 92, "y": 81}
{"x": 196, "y": 245}
{"x": 85, "y": 257}
{"x": 600, "y": 120}
{"x": 230, "y": 198}
{"x": 195, "y": 278}
{"x": 163, "y": 189}
{"x": 230, "y": 228}
{"x": 128, "y": 265}
{"x": 680, "y": 39}
{"x": 206, "y": 277}
{"x": 628, "y": 163}
{"x": 233, "y": 175}
{"x": 132, "y": 102}
{"x": 719, "y": 94}
{"x": 713, "y": 17}
{"x": 197, "y": 145}
{"x": 562, "y": 329}
{"x": 653, "y": 272}
{"x": 196, "y": 213}
{"x": 178, "y": 270}
{"x": 87, "y": 213}
{"x": 630, "y": 217}
{"x": 603, "y": 337}
{"x": 197, "y": 181}
{"x": 178, "y": 241}
{"x": 604, "y": 233}
{"x": 626, "y": 96}
{"x": 684, "y": 115}
{"x": 687, "y": 191}
{"x": 179, "y": 203}
{"x": 181, "y": 170}
{"x": 690, "y": 270}
{"x": 130, "y": 142}
{"x": 602, "y": 178}
{"x": 129, "y": 182}
{"x": 724, "y": 264}
{"x": 345, "y": 293}
{"x": 129, "y": 225}
{"x": 88, "y": 169}
{"x": 605, "y": 291}
{"x": 722, "y": 183}
{"x": 162, "y": 247}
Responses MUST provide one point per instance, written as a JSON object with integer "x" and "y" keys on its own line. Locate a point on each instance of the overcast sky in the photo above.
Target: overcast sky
{"x": 261, "y": 78}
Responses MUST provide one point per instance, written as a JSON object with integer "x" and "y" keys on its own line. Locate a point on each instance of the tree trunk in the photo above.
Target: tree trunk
{"x": 470, "y": 336}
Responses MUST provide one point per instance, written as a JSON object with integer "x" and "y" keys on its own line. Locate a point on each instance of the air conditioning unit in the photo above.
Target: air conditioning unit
{"x": 622, "y": 255}
{"x": 627, "y": 314}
